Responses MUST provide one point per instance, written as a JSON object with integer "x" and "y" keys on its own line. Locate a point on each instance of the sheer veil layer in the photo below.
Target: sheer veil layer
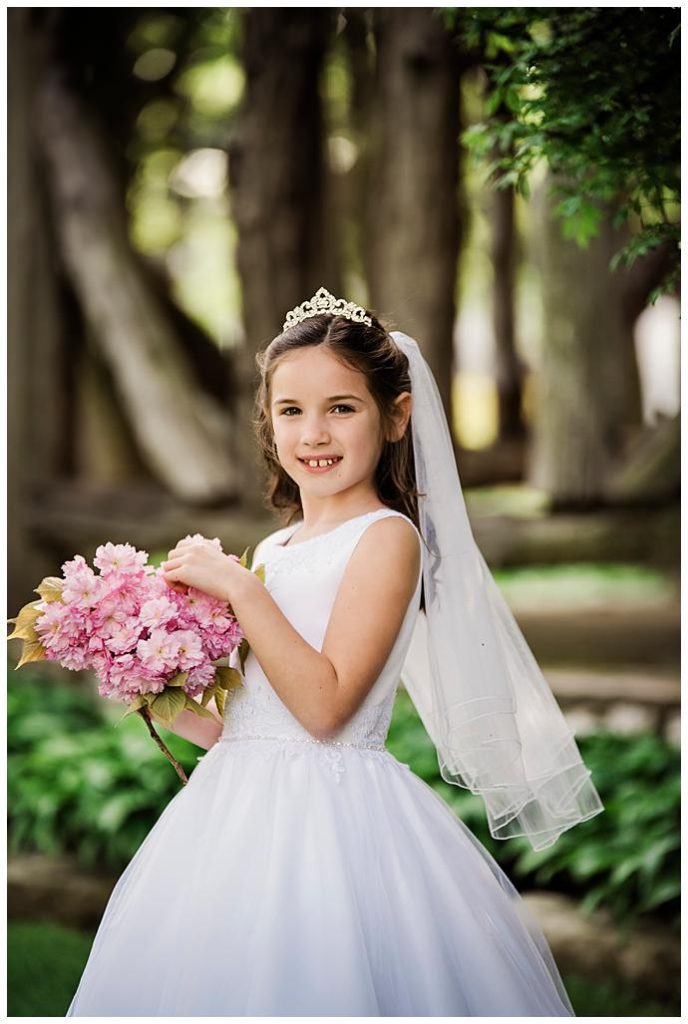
{"x": 479, "y": 691}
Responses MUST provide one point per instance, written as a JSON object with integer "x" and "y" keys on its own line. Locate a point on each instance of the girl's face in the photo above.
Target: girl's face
{"x": 321, "y": 408}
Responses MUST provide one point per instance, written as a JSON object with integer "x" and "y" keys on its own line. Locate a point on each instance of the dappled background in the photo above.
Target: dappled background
{"x": 501, "y": 183}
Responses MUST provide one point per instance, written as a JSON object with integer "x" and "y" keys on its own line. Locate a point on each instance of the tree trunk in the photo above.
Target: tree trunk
{"x": 588, "y": 389}
{"x": 38, "y": 395}
{"x": 277, "y": 169}
{"x": 413, "y": 207}
{"x": 510, "y": 371}
{"x": 361, "y": 60}
{"x": 182, "y": 435}
{"x": 650, "y": 471}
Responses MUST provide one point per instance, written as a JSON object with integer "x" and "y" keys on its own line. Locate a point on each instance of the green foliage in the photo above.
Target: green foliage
{"x": 595, "y": 92}
{"x": 77, "y": 783}
{"x": 626, "y": 859}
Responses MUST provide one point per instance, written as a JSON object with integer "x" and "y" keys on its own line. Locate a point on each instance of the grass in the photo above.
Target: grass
{"x": 45, "y": 962}
{"x": 44, "y": 965}
{"x": 605, "y": 999}
{"x": 583, "y": 584}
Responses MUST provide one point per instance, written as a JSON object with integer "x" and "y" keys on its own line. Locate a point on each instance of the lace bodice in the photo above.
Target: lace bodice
{"x": 303, "y": 579}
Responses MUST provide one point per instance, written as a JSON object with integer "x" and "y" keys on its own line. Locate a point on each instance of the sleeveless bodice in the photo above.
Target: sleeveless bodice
{"x": 303, "y": 579}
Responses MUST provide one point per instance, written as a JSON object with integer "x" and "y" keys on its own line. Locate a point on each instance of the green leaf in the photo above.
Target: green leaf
{"x": 115, "y": 811}
{"x": 50, "y": 589}
{"x": 33, "y": 651}
{"x": 228, "y": 678}
{"x": 24, "y": 623}
{"x": 663, "y": 892}
{"x": 178, "y": 680}
{"x": 220, "y": 700}
{"x": 198, "y": 709}
{"x": 167, "y": 705}
{"x": 244, "y": 649}
{"x": 138, "y": 702}
{"x": 216, "y": 693}
{"x": 494, "y": 102}
{"x": 653, "y": 857}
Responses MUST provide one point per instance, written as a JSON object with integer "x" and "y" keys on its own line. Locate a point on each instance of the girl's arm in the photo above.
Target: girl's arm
{"x": 323, "y": 689}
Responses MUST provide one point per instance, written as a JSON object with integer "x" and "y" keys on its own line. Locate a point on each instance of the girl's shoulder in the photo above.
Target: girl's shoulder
{"x": 352, "y": 529}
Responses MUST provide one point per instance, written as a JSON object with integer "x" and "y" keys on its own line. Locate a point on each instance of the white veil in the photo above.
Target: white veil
{"x": 480, "y": 694}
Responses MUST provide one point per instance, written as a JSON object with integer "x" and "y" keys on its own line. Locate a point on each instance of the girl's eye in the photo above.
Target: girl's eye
{"x": 289, "y": 408}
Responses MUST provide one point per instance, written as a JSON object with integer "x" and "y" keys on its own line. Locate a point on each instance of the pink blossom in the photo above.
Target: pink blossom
{"x": 199, "y": 536}
{"x": 77, "y": 565}
{"x": 189, "y": 649}
{"x": 110, "y": 618}
{"x": 131, "y": 628}
{"x": 125, "y": 637}
{"x": 81, "y": 588}
{"x": 119, "y": 558}
{"x": 101, "y": 663}
{"x": 76, "y": 659}
{"x": 160, "y": 653}
{"x": 120, "y": 596}
{"x": 157, "y": 612}
{"x": 200, "y": 678}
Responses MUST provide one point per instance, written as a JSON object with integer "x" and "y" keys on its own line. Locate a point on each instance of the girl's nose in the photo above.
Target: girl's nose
{"x": 315, "y": 432}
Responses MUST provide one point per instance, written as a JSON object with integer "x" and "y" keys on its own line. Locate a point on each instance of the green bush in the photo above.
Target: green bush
{"x": 79, "y": 784}
{"x": 627, "y": 858}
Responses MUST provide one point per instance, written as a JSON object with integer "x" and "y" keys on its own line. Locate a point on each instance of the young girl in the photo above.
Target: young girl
{"x": 303, "y": 869}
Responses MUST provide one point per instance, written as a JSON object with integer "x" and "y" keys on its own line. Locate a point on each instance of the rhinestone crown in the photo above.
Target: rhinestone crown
{"x": 324, "y": 302}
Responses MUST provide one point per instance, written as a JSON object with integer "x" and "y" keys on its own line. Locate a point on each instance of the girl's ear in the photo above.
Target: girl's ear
{"x": 402, "y": 414}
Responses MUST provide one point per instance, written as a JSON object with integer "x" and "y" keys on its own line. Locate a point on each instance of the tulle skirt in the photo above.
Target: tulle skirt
{"x": 293, "y": 878}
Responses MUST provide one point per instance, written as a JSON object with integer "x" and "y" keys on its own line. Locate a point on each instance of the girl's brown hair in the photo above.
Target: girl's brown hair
{"x": 372, "y": 351}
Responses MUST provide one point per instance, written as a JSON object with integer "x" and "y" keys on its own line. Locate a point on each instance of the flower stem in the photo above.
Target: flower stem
{"x": 145, "y": 715}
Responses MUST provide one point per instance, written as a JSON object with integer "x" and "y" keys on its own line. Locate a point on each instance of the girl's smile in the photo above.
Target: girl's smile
{"x": 325, "y": 422}
{"x": 320, "y": 463}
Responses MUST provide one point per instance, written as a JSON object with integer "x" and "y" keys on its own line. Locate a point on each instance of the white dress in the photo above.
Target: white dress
{"x": 297, "y": 876}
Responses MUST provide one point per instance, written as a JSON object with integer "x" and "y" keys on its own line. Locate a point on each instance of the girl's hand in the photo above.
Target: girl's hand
{"x": 200, "y": 563}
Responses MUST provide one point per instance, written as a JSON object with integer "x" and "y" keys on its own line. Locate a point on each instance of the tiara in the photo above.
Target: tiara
{"x": 324, "y": 302}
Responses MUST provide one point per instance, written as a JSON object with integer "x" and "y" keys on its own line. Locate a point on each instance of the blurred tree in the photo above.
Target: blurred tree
{"x": 510, "y": 370}
{"x": 81, "y": 134}
{"x": 38, "y": 369}
{"x": 614, "y": 182}
{"x": 596, "y": 93}
{"x": 588, "y": 390}
{"x": 358, "y": 38}
{"x": 413, "y": 210}
{"x": 180, "y": 434}
{"x": 277, "y": 168}
{"x": 106, "y": 370}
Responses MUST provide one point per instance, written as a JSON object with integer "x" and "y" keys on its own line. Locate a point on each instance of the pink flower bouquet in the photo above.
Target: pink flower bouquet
{"x": 151, "y": 646}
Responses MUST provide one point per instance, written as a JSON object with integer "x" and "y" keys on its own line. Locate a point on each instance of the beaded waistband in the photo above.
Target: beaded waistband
{"x": 304, "y": 739}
